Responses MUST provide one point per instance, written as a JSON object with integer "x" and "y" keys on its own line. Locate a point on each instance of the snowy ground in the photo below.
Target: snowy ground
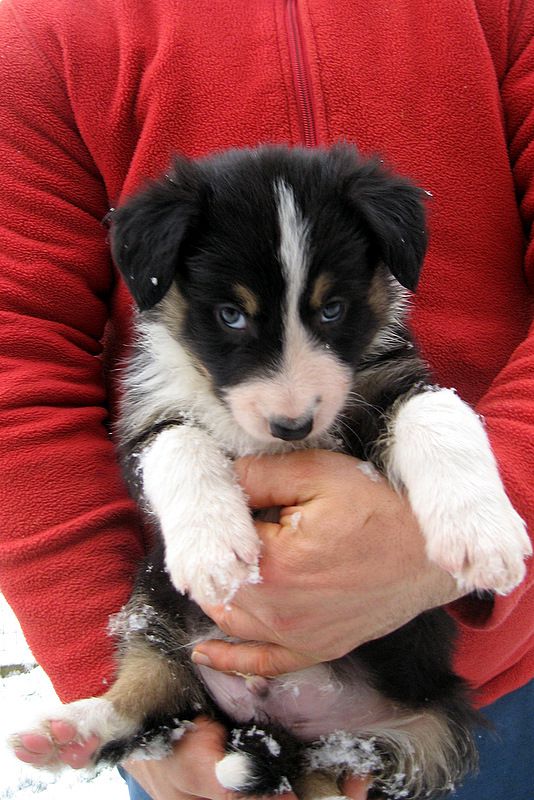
{"x": 19, "y": 694}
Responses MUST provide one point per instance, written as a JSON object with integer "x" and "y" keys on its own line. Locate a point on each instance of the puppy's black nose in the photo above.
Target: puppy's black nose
{"x": 290, "y": 429}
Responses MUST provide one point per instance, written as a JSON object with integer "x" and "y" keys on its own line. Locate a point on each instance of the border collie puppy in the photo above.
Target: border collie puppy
{"x": 271, "y": 292}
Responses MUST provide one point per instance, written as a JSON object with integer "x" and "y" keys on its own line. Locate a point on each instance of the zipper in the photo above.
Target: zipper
{"x": 301, "y": 74}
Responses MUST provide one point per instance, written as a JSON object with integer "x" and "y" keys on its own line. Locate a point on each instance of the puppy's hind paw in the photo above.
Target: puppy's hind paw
{"x": 235, "y": 772}
{"x": 56, "y": 745}
{"x": 70, "y": 736}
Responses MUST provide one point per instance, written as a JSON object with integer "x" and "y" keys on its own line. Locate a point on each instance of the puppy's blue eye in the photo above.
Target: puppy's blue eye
{"x": 332, "y": 312}
{"x": 232, "y": 317}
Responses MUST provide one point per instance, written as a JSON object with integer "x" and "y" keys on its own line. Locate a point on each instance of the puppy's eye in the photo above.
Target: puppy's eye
{"x": 332, "y": 312}
{"x": 232, "y": 317}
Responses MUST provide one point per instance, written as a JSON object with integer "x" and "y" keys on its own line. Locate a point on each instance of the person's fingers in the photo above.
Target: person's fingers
{"x": 281, "y": 480}
{"x": 198, "y": 752}
{"x": 250, "y": 658}
{"x": 189, "y": 773}
{"x": 189, "y": 770}
{"x": 356, "y": 788}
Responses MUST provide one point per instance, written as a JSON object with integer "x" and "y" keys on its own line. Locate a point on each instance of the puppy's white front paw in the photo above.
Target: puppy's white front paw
{"x": 441, "y": 455}
{"x": 211, "y": 564}
{"x": 483, "y": 545}
{"x": 211, "y": 546}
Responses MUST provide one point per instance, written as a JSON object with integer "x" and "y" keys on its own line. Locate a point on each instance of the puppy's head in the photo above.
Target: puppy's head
{"x": 285, "y": 264}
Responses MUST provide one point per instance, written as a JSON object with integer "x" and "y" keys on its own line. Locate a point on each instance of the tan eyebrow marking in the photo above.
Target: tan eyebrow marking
{"x": 248, "y": 298}
{"x": 320, "y": 290}
{"x": 379, "y": 298}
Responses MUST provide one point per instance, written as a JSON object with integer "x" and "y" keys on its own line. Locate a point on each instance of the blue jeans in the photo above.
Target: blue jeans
{"x": 136, "y": 791}
{"x": 506, "y": 753}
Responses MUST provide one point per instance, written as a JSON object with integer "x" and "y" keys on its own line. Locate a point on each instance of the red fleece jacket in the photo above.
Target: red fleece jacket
{"x": 94, "y": 97}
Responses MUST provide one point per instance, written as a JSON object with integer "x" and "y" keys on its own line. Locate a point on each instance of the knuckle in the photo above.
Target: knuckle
{"x": 222, "y": 618}
{"x": 266, "y": 663}
{"x": 243, "y": 469}
{"x": 282, "y": 624}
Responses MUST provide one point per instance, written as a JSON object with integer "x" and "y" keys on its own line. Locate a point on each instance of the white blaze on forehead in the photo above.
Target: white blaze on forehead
{"x": 293, "y": 247}
{"x": 298, "y": 350}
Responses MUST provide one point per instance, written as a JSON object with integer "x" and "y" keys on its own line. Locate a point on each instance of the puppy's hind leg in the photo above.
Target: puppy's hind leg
{"x": 262, "y": 759}
{"x": 419, "y": 754}
{"x": 318, "y": 785}
{"x": 159, "y": 696}
{"x": 147, "y": 708}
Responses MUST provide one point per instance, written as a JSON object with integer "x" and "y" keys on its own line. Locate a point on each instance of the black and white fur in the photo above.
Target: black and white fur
{"x": 272, "y": 316}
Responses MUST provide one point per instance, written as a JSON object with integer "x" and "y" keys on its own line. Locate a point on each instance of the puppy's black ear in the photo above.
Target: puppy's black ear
{"x": 149, "y": 230}
{"x": 392, "y": 208}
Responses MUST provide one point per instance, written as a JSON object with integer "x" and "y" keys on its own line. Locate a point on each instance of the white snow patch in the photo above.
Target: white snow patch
{"x": 370, "y": 471}
{"x": 266, "y": 738}
{"x": 294, "y": 520}
{"x": 125, "y": 623}
{"x": 341, "y": 749}
{"x": 284, "y": 786}
{"x": 272, "y": 745}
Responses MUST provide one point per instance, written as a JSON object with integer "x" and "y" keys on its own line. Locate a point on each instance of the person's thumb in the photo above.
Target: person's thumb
{"x": 249, "y": 658}
{"x": 280, "y": 480}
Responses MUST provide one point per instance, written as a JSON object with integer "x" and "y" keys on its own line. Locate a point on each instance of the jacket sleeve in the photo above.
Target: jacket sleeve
{"x": 69, "y": 537}
{"x": 508, "y": 406}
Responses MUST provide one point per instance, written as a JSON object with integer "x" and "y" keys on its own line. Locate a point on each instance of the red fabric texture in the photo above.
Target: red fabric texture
{"x": 94, "y": 97}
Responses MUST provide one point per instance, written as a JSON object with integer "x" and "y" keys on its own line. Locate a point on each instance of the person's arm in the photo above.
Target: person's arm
{"x": 69, "y": 539}
{"x": 508, "y": 406}
{"x": 69, "y": 543}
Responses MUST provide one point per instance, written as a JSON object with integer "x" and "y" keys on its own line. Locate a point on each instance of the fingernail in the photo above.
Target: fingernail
{"x": 200, "y": 658}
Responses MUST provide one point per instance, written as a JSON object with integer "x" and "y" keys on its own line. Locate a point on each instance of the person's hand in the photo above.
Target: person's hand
{"x": 189, "y": 772}
{"x": 346, "y": 564}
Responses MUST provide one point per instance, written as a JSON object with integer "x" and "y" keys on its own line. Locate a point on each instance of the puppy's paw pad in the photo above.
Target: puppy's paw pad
{"x": 63, "y": 732}
{"x": 53, "y": 745}
{"x": 80, "y": 754}
{"x": 32, "y": 748}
